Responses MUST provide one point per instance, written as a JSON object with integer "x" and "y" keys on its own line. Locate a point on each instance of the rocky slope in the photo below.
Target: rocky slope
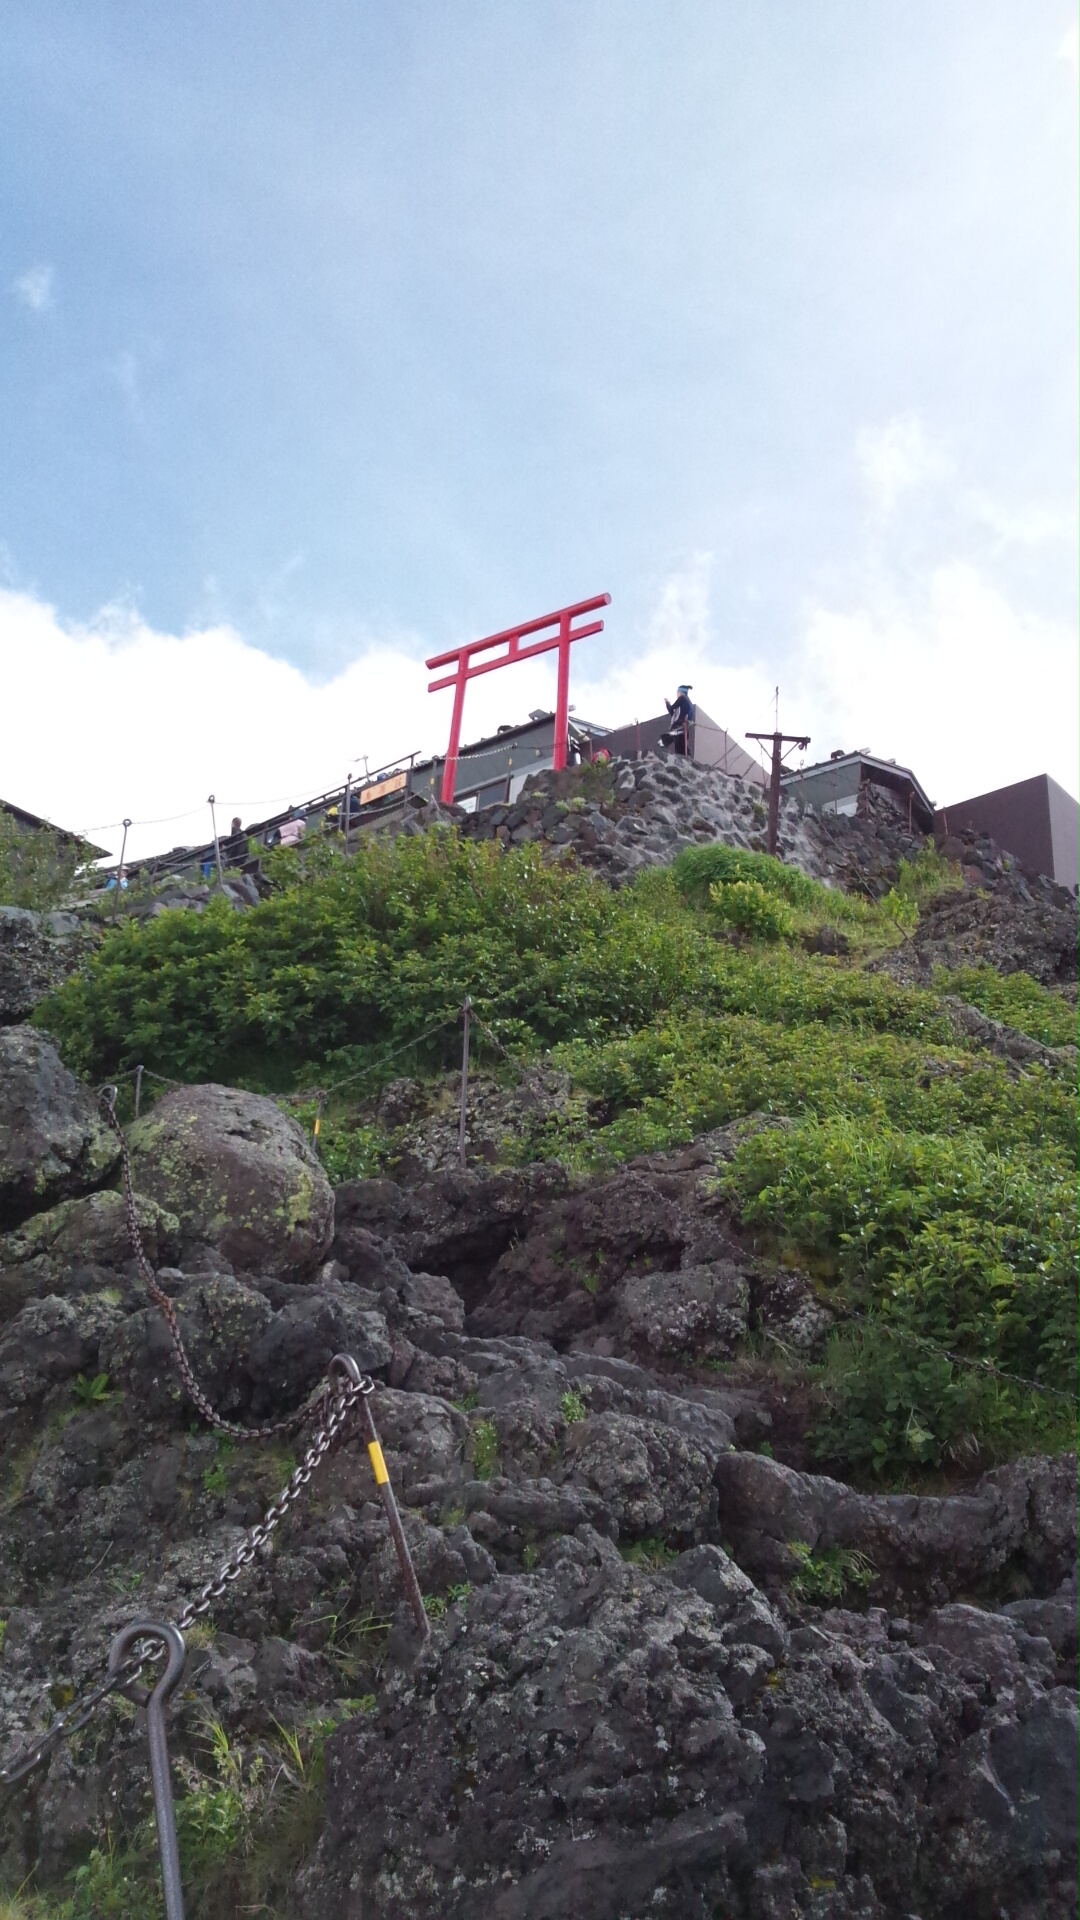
{"x": 670, "y": 1670}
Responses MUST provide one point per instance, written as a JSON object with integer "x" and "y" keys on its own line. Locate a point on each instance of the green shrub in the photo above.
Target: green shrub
{"x": 650, "y": 1552}
{"x": 697, "y": 870}
{"x": 954, "y": 1258}
{"x": 1015, "y": 999}
{"x": 93, "y": 1392}
{"x": 927, "y": 875}
{"x": 572, "y": 1407}
{"x": 677, "y": 1078}
{"x": 244, "y": 1825}
{"x": 750, "y": 909}
{"x": 345, "y": 966}
{"x": 930, "y": 1186}
{"x": 826, "y": 1576}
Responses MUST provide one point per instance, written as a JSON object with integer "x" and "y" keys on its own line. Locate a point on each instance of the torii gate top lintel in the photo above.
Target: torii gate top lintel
{"x": 468, "y": 668}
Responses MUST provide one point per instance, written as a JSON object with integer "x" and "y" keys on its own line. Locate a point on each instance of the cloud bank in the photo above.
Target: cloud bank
{"x": 116, "y": 719}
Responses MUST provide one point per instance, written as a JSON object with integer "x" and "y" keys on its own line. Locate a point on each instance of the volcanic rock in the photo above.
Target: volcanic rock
{"x": 239, "y": 1175}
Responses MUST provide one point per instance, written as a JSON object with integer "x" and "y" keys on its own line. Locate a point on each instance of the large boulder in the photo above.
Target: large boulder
{"x": 1022, "y": 1515}
{"x": 239, "y": 1175}
{"x": 53, "y": 1142}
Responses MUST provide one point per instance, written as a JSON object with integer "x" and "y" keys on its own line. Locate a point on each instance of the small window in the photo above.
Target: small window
{"x": 493, "y": 794}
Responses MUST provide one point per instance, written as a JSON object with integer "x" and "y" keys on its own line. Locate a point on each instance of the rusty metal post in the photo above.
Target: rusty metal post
{"x": 382, "y": 1480}
{"x": 164, "y": 1815}
{"x": 138, "y": 1090}
{"x": 343, "y": 1363}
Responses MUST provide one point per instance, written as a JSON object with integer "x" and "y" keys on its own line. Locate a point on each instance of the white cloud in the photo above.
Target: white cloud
{"x": 34, "y": 288}
{"x": 680, "y": 616}
{"x": 147, "y": 724}
{"x": 896, "y": 459}
{"x": 1069, "y": 50}
{"x": 965, "y": 689}
{"x": 680, "y": 646}
{"x": 1039, "y": 523}
{"x": 960, "y": 685}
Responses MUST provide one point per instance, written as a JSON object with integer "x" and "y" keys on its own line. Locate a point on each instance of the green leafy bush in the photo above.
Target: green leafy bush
{"x": 955, "y": 1259}
{"x": 930, "y": 1186}
{"x": 750, "y": 909}
{"x": 485, "y": 1449}
{"x": 572, "y": 1407}
{"x": 698, "y": 870}
{"x": 704, "y": 875}
{"x": 679, "y": 1077}
{"x": 826, "y": 1576}
{"x": 928, "y": 874}
{"x": 244, "y": 1824}
{"x": 1015, "y": 999}
{"x": 347, "y": 965}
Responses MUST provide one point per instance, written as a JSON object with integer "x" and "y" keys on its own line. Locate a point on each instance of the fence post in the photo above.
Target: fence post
{"x": 120, "y": 871}
{"x": 138, "y": 1090}
{"x": 466, "y": 1011}
{"x": 217, "y": 844}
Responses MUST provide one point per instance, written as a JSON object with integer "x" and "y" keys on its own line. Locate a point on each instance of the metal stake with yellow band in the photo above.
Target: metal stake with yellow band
{"x": 382, "y": 1481}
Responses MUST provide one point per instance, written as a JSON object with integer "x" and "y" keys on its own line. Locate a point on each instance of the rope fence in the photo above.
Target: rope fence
{"x": 373, "y": 1070}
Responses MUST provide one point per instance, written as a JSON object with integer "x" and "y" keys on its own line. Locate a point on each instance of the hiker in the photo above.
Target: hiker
{"x": 292, "y": 830}
{"x": 680, "y": 718}
{"x": 234, "y": 849}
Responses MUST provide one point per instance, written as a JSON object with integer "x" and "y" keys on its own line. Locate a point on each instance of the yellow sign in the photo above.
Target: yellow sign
{"x": 393, "y": 783}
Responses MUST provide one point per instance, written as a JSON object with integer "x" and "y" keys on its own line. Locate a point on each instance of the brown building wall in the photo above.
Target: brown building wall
{"x": 1034, "y": 819}
{"x": 1065, "y": 834}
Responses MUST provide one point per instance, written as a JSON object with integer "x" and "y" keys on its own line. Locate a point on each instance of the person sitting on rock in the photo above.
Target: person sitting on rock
{"x": 680, "y": 716}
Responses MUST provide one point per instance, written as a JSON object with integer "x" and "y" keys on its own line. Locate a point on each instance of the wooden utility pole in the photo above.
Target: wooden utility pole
{"x": 779, "y": 742}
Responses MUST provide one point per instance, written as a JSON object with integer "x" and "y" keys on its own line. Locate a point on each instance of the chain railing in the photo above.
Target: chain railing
{"x": 345, "y": 1395}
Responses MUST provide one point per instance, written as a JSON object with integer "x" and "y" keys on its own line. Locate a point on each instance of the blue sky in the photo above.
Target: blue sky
{"x": 332, "y": 335}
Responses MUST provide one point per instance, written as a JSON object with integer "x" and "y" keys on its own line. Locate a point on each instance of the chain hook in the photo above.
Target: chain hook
{"x": 164, "y": 1815}
{"x": 344, "y": 1367}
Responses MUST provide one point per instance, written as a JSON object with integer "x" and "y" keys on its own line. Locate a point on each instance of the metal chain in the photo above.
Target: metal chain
{"x": 346, "y": 1391}
{"x": 316, "y": 1400}
{"x": 345, "y": 1399}
{"x": 67, "y": 1723}
{"x": 337, "y": 1400}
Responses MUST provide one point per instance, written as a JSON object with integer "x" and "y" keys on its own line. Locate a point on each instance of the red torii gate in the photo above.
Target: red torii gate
{"x": 462, "y": 659}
